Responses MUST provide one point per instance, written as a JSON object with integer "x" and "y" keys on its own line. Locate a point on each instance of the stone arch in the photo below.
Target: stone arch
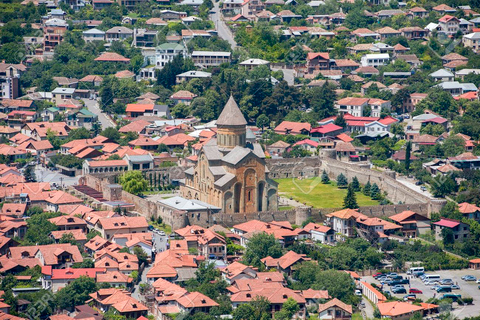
{"x": 228, "y": 202}
{"x": 260, "y": 195}
{"x": 272, "y": 199}
{"x": 250, "y": 188}
{"x": 237, "y": 197}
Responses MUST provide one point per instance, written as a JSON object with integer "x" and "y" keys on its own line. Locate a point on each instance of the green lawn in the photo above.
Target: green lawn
{"x": 318, "y": 195}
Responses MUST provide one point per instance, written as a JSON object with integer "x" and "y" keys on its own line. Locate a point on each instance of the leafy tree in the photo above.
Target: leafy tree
{"x": 453, "y": 146}
{"x": 432, "y": 129}
{"x": 262, "y": 121}
{"x": 340, "y": 121}
{"x": 325, "y": 178}
{"x": 350, "y": 200}
{"x": 39, "y": 228}
{"x": 443, "y": 185}
{"x": 141, "y": 255}
{"x": 342, "y": 181}
{"x": 338, "y": 283}
{"x": 34, "y": 210}
{"x": 448, "y": 237}
{"x": 133, "y": 182}
{"x": 167, "y": 76}
{"x": 80, "y": 133}
{"x": 260, "y": 246}
{"x": 408, "y": 151}
{"x": 180, "y": 111}
{"x": 356, "y": 184}
{"x": 67, "y": 160}
{"x": 68, "y": 238}
{"x": 111, "y": 133}
{"x": 375, "y": 192}
{"x": 76, "y": 293}
{"x": 289, "y": 309}
{"x": 29, "y": 174}
{"x": 162, "y": 147}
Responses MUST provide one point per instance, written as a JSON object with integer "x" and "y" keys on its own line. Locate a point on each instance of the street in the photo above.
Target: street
{"x": 288, "y": 75}
{"x": 92, "y": 106}
{"x": 410, "y": 183}
{"x": 222, "y": 29}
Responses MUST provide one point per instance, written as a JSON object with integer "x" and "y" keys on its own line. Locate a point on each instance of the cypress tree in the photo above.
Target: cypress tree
{"x": 350, "y": 200}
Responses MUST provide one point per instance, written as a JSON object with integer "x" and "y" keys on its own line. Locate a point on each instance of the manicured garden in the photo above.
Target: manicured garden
{"x": 318, "y": 195}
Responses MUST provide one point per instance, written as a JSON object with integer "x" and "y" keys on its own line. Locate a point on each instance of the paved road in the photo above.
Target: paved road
{"x": 93, "y": 106}
{"x": 368, "y": 309}
{"x": 410, "y": 183}
{"x": 222, "y": 29}
{"x": 288, "y": 75}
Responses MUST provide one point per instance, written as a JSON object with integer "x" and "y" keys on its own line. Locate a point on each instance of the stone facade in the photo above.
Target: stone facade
{"x": 231, "y": 172}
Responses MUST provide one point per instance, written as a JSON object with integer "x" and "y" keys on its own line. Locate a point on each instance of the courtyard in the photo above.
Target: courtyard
{"x": 318, "y": 195}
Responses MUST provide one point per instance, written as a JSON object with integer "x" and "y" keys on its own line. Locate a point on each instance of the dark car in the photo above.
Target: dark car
{"x": 398, "y": 290}
{"x": 444, "y": 289}
{"x": 454, "y": 297}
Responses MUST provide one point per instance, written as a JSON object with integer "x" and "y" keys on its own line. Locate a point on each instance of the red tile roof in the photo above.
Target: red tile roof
{"x": 112, "y": 56}
{"x": 448, "y": 223}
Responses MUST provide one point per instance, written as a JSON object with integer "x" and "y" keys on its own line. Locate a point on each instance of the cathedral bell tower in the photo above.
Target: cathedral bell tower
{"x": 231, "y": 127}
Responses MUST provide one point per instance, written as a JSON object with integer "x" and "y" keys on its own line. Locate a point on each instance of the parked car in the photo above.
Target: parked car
{"x": 455, "y": 287}
{"x": 414, "y": 290}
{"x": 404, "y": 281}
{"x": 398, "y": 290}
{"x": 378, "y": 275}
{"x": 410, "y": 297}
{"x": 454, "y": 297}
{"x": 478, "y": 280}
{"x": 446, "y": 282}
{"x": 444, "y": 289}
{"x": 469, "y": 278}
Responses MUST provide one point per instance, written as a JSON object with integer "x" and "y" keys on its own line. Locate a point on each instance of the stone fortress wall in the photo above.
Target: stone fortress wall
{"x": 288, "y": 168}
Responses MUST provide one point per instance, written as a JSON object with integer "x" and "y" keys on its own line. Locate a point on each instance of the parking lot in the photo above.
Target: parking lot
{"x": 467, "y": 289}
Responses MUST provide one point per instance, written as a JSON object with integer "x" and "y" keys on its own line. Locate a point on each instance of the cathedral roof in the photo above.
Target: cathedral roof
{"x": 231, "y": 115}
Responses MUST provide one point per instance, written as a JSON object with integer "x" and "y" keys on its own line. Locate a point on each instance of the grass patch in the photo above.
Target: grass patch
{"x": 163, "y": 226}
{"x": 285, "y": 208}
{"x": 318, "y": 195}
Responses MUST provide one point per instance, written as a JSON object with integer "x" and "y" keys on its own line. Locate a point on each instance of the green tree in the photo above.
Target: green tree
{"x": 39, "y": 228}
{"x": 340, "y": 121}
{"x": 325, "y": 178}
{"x": 133, "y": 182}
{"x": 29, "y": 174}
{"x": 350, "y": 200}
{"x": 338, "y": 283}
{"x": 262, "y": 121}
{"x": 162, "y": 147}
{"x": 68, "y": 238}
{"x": 289, "y": 309}
{"x": 180, "y": 111}
{"x": 453, "y": 146}
{"x": 342, "y": 181}
{"x": 448, "y": 237}
{"x": 76, "y": 293}
{"x": 141, "y": 255}
{"x": 375, "y": 192}
{"x": 408, "y": 151}
{"x": 260, "y": 246}
{"x": 356, "y": 184}
{"x": 443, "y": 185}
{"x": 366, "y": 188}
{"x": 111, "y": 133}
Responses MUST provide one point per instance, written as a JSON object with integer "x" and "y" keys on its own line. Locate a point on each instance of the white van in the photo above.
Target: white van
{"x": 415, "y": 270}
{"x": 431, "y": 277}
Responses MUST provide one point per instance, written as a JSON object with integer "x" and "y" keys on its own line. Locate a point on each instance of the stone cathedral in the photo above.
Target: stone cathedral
{"x": 231, "y": 172}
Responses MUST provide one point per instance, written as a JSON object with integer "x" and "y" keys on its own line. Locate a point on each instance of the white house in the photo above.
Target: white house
{"x": 93, "y": 35}
{"x": 375, "y": 60}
